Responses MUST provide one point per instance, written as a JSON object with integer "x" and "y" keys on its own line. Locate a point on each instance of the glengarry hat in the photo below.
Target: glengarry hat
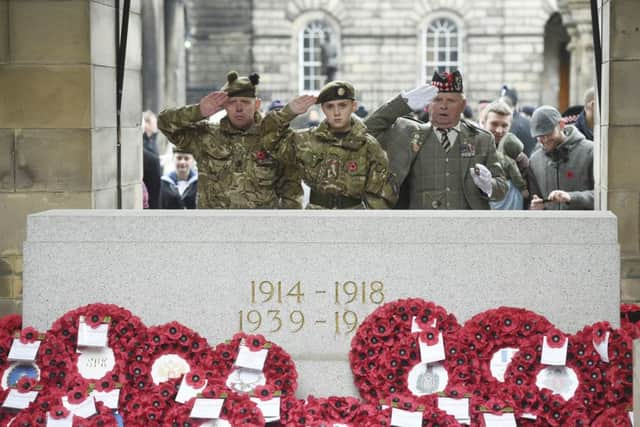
{"x": 448, "y": 82}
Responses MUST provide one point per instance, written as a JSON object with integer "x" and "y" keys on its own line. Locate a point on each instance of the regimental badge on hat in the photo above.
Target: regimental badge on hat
{"x": 447, "y": 82}
{"x": 241, "y": 86}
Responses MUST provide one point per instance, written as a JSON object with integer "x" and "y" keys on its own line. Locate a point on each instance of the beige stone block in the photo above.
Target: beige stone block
{"x": 6, "y": 277}
{"x": 630, "y": 290}
{"x": 623, "y": 158}
{"x": 103, "y": 49}
{"x": 625, "y": 32}
{"x": 14, "y": 208}
{"x": 626, "y": 206}
{"x": 103, "y": 158}
{"x": 45, "y": 97}
{"x": 53, "y": 160}
{"x": 18, "y": 264}
{"x": 607, "y": 87}
{"x": 49, "y": 31}
{"x": 104, "y": 97}
{"x": 131, "y": 156}
{"x": 105, "y": 199}
{"x": 4, "y": 31}
{"x": 133, "y": 60}
{"x": 10, "y": 306}
{"x": 132, "y": 196}
{"x": 623, "y": 106}
{"x": 16, "y": 287}
{"x": 131, "y": 115}
{"x": 6, "y": 160}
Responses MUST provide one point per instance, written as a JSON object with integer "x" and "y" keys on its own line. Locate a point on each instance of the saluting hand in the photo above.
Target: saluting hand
{"x": 300, "y": 104}
{"x": 212, "y": 103}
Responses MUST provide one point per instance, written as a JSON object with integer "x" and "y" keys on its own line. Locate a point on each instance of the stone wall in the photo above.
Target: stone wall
{"x": 58, "y": 118}
{"x": 381, "y": 44}
{"x": 619, "y": 151}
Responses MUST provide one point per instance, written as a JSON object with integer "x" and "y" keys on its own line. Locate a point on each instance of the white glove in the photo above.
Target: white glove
{"x": 420, "y": 97}
{"x": 482, "y": 178}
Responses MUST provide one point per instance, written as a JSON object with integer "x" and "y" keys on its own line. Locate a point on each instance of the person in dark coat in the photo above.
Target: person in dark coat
{"x": 584, "y": 123}
{"x": 179, "y": 188}
{"x": 151, "y": 173}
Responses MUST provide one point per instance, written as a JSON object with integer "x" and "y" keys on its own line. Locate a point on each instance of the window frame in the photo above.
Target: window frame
{"x": 425, "y": 63}
{"x": 302, "y": 64}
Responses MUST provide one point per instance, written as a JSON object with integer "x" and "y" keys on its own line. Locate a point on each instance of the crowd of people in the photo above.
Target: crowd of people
{"x": 420, "y": 150}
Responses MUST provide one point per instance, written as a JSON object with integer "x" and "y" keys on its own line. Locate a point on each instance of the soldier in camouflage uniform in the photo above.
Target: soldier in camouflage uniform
{"x": 344, "y": 166}
{"x": 236, "y": 170}
{"x": 448, "y": 163}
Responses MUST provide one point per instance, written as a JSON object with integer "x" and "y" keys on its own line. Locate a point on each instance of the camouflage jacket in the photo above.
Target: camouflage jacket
{"x": 235, "y": 169}
{"x": 354, "y": 166}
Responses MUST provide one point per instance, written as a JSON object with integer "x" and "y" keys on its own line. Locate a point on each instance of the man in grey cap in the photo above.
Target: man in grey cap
{"x": 563, "y": 170}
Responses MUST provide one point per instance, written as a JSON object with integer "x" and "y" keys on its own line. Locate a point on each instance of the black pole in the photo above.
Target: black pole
{"x": 121, "y": 51}
{"x": 597, "y": 48}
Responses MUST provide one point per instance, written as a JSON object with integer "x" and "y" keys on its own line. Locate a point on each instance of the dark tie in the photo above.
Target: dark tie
{"x": 446, "y": 144}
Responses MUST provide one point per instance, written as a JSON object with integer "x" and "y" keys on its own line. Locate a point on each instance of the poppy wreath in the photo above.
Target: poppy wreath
{"x": 149, "y": 406}
{"x": 24, "y": 385}
{"x": 431, "y": 415}
{"x": 491, "y": 331}
{"x": 521, "y": 377}
{"x": 279, "y": 370}
{"x": 609, "y": 383}
{"x": 293, "y": 413}
{"x": 59, "y": 359}
{"x": 384, "y": 339}
{"x": 237, "y": 409}
{"x": 169, "y": 351}
{"x": 630, "y": 319}
{"x": 616, "y": 416}
{"x": 49, "y": 402}
{"x": 10, "y": 324}
{"x": 377, "y": 338}
{"x": 16, "y": 369}
{"x": 349, "y": 411}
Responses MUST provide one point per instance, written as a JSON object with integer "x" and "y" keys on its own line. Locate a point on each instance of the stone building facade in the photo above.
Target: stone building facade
{"x": 385, "y": 46}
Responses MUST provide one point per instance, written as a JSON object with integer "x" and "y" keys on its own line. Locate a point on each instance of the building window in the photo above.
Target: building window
{"x": 443, "y": 42}
{"x": 314, "y": 39}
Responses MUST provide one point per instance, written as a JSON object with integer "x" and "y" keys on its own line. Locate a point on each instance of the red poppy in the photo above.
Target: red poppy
{"x": 29, "y": 335}
{"x": 59, "y": 412}
{"x": 255, "y": 342}
{"x": 555, "y": 338}
{"x": 25, "y": 384}
{"x": 263, "y": 392}
{"x": 429, "y": 336}
{"x": 195, "y": 378}
{"x": 93, "y": 320}
{"x": 261, "y": 155}
{"x": 77, "y": 395}
{"x": 570, "y": 174}
{"x": 352, "y": 166}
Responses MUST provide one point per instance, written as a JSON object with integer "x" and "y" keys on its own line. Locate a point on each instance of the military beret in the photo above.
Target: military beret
{"x": 447, "y": 82}
{"x": 336, "y": 90}
{"x": 241, "y": 86}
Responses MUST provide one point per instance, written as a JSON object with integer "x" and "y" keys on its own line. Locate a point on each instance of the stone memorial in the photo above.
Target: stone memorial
{"x": 307, "y": 279}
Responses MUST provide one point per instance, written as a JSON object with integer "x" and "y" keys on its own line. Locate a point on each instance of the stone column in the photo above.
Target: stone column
{"x": 58, "y": 118}
{"x": 619, "y": 151}
{"x": 153, "y": 55}
{"x": 175, "y": 71}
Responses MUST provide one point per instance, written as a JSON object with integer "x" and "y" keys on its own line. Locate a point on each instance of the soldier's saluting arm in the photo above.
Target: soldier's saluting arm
{"x": 275, "y": 125}
{"x": 184, "y": 126}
